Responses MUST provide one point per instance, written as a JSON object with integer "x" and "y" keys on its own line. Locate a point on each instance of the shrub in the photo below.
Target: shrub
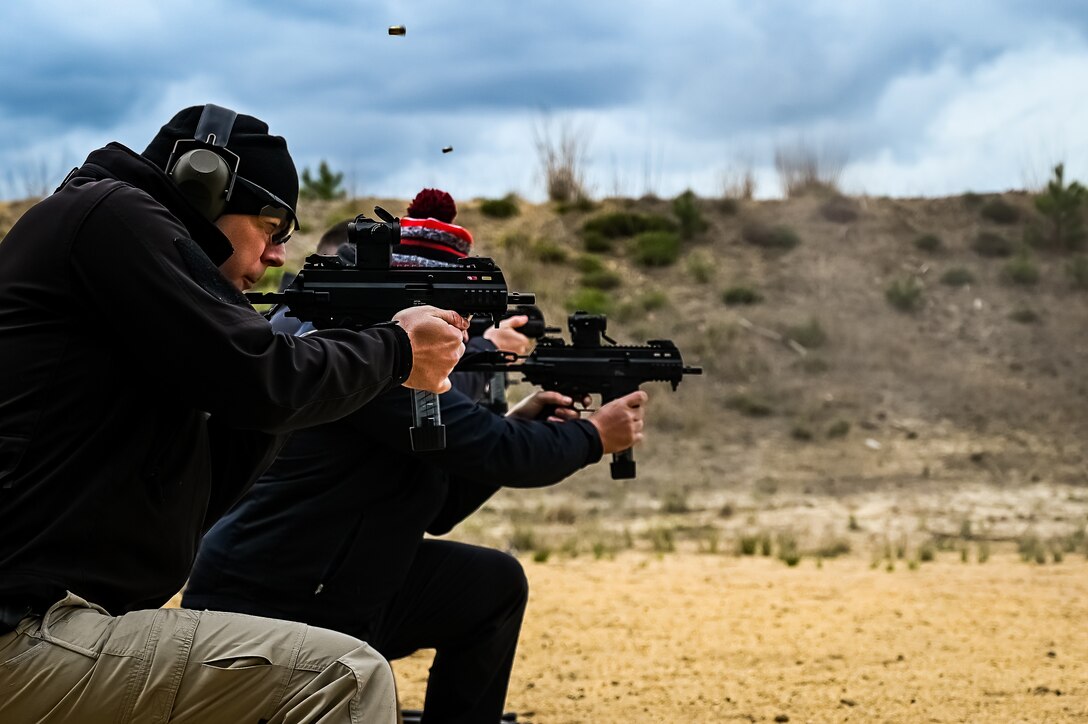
{"x": 747, "y": 544}
{"x": 324, "y": 187}
{"x": 781, "y": 238}
{"x": 541, "y": 555}
{"x": 928, "y": 242}
{"x": 741, "y": 295}
{"x": 802, "y": 169}
{"x": 653, "y": 299}
{"x": 587, "y": 263}
{"x": 620, "y": 224}
{"x": 904, "y": 294}
{"x": 999, "y": 211}
{"x": 676, "y": 501}
{"x": 581, "y": 204}
{"x": 597, "y": 242}
{"x": 656, "y": 248}
{"x": 700, "y": 267}
{"x": 729, "y": 206}
{"x": 1022, "y": 270}
{"x": 1078, "y": 272}
{"x": 839, "y": 209}
{"x": 1063, "y": 206}
{"x": 801, "y": 433}
{"x": 839, "y": 428}
{"x": 686, "y": 209}
{"x": 971, "y": 199}
{"x": 601, "y": 279}
{"x": 1023, "y": 315}
{"x": 503, "y": 208}
{"x": 594, "y": 301}
{"x": 548, "y": 252}
{"x": 957, "y": 277}
{"x": 749, "y": 406}
{"x": 562, "y": 160}
{"x": 514, "y": 240}
{"x": 810, "y": 334}
{"x": 661, "y": 540}
{"x": 993, "y": 245}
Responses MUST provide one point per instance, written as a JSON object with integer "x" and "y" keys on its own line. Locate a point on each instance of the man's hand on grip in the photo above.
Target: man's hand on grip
{"x": 620, "y": 422}
{"x": 437, "y": 344}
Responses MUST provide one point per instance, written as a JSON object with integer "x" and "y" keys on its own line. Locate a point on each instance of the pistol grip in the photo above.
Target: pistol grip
{"x": 623, "y": 465}
{"x": 427, "y": 431}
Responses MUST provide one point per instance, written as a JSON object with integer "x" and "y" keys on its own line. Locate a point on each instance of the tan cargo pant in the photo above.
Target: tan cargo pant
{"x": 78, "y": 664}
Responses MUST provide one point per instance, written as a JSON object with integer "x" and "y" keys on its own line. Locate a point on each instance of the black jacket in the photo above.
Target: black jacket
{"x": 327, "y": 535}
{"x": 140, "y": 393}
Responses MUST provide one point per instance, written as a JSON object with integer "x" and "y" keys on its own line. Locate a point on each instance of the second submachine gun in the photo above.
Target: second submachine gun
{"x": 588, "y": 366}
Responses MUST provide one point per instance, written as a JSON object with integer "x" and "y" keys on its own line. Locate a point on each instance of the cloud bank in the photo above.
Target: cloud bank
{"x": 922, "y": 98}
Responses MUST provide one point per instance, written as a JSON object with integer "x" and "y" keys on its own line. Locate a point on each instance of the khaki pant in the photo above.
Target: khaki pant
{"x": 78, "y": 664}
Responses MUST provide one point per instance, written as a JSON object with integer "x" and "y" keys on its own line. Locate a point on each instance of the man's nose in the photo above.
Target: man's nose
{"x": 274, "y": 254}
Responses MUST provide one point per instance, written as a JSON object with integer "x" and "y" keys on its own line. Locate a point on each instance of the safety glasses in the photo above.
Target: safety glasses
{"x": 281, "y": 220}
{"x": 277, "y": 212}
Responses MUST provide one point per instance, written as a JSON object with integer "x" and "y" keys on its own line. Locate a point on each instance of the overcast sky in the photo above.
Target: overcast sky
{"x": 919, "y": 98}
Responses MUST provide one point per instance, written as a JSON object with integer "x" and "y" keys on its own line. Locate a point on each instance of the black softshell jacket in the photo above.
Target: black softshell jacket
{"x": 328, "y": 534}
{"x": 140, "y": 394}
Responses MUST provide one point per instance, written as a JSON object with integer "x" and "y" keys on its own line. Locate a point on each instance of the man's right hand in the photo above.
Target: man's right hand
{"x": 620, "y": 422}
{"x": 437, "y": 337}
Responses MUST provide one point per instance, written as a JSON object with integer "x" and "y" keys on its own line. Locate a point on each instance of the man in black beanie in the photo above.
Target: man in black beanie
{"x": 140, "y": 396}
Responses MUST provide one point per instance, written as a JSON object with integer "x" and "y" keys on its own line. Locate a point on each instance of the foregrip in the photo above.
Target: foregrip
{"x": 427, "y": 431}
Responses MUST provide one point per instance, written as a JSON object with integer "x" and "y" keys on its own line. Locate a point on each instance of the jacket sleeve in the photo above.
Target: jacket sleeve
{"x": 485, "y": 447}
{"x": 167, "y": 305}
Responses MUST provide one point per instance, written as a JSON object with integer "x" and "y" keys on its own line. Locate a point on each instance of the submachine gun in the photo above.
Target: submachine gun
{"x": 587, "y": 366}
{"x": 331, "y": 292}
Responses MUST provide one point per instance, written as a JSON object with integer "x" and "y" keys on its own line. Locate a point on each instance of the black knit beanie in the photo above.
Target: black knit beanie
{"x": 263, "y": 159}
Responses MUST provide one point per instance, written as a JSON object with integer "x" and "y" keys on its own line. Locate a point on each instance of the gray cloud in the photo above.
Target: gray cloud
{"x": 668, "y": 92}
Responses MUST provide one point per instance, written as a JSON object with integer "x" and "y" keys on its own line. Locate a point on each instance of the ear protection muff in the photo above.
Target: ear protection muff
{"x": 202, "y": 167}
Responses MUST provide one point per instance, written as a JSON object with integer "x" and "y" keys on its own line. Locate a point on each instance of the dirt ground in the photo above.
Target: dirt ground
{"x": 688, "y": 637}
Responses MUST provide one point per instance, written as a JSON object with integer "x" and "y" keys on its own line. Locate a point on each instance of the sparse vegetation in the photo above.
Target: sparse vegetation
{"x": 504, "y": 208}
{"x": 700, "y": 267}
{"x": 1078, "y": 272}
{"x": 839, "y": 428}
{"x": 999, "y": 211}
{"x": 905, "y": 294}
{"x": 1023, "y": 315}
{"x": 620, "y": 224}
{"x": 992, "y": 245}
{"x": 779, "y": 238}
{"x": 548, "y": 252}
{"x": 1063, "y": 207}
{"x": 801, "y": 433}
{"x": 597, "y": 242}
{"x": 685, "y": 207}
{"x": 601, "y": 279}
{"x": 734, "y": 296}
{"x": 1022, "y": 270}
{"x": 676, "y": 501}
{"x": 562, "y": 160}
{"x": 749, "y": 406}
{"x": 656, "y": 248}
{"x": 928, "y": 242}
{"x": 840, "y": 209}
{"x": 957, "y": 277}
{"x": 325, "y": 186}
{"x": 803, "y": 169}
{"x": 594, "y": 301}
{"x": 811, "y": 334}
